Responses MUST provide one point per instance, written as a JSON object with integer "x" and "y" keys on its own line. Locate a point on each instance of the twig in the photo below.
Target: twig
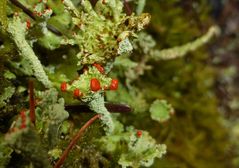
{"x": 111, "y": 107}
{"x": 32, "y": 102}
{"x": 24, "y": 9}
{"x": 74, "y": 141}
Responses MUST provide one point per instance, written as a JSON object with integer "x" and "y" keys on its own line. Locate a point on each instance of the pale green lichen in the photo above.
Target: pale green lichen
{"x": 145, "y": 44}
{"x": 5, "y": 153}
{"x": 128, "y": 97}
{"x": 84, "y": 80}
{"x": 70, "y": 7}
{"x": 50, "y": 40}
{"x": 180, "y": 51}
{"x": 140, "y": 6}
{"x": 97, "y": 105}
{"x": 94, "y": 99}
{"x": 19, "y": 141}
{"x": 6, "y": 95}
{"x": 141, "y": 151}
{"x": 55, "y": 153}
{"x": 9, "y": 75}
{"x": 3, "y": 13}
{"x": 50, "y": 114}
{"x": 132, "y": 150}
{"x": 17, "y": 30}
{"x": 160, "y": 110}
{"x": 97, "y": 36}
{"x": 125, "y": 47}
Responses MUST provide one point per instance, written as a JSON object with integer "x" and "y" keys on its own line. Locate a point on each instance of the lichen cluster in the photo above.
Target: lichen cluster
{"x": 81, "y": 53}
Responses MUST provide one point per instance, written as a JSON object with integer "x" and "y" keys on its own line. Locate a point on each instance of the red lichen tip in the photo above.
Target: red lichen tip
{"x": 99, "y": 67}
{"x": 63, "y": 86}
{"x": 95, "y": 84}
{"x": 28, "y": 24}
{"x": 77, "y": 93}
{"x": 23, "y": 117}
{"x": 114, "y": 84}
{"x": 23, "y": 125}
{"x": 139, "y": 133}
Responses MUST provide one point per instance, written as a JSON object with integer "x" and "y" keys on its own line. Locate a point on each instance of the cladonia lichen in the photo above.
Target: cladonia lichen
{"x": 18, "y": 30}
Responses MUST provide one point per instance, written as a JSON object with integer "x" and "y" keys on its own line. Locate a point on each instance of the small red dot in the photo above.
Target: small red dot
{"x": 99, "y": 67}
{"x": 28, "y": 24}
{"x": 114, "y": 84}
{"x": 139, "y": 133}
{"x": 77, "y": 93}
{"x": 63, "y": 86}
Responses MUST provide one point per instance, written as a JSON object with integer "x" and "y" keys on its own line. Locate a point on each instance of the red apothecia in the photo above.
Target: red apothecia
{"x": 139, "y": 133}
{"x": 63, "y": 86}
{"x": 114, "y": 84}
{"x": 77, "y": 93}
{"x": 28, "y": 22}
{"x": 99, "y": 67}
{"x": 95, "y": 84}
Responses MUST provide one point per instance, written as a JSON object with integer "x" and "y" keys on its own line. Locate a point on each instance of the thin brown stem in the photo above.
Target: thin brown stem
{"x": 127, "y": 7}
{"x": 74, "y": 141}
{"x": 111, "y": 107}
{"x": 32, "y": 102}
{"x": 24, "y": 9}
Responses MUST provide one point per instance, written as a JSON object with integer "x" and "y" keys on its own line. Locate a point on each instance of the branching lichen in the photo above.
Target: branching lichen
{"x": 180, "y": 51}
{"x": 50, "y": 114}
{"x": 18, "y": 30}
{"x": 94, "y": 44}
{"x": 97, "y": 105}
{"x": 135, "y": 148}
{"x": 6, "y": 95}
{"x": 99, "y": 38}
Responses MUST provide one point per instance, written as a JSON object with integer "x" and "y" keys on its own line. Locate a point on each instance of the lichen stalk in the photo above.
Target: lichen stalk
{"x": 17, "y": 31}
{"x": 97, "y": 105}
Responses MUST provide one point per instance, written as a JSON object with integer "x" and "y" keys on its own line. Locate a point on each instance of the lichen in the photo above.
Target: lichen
{"x": 101, "y": 41}
{"x": 97, "y": 105}
{"x": 82, "y": 51}
{"x": 160, "y": 110}
{"x": 133, "y": 150}
{"x": 6, "y": 95}
{"x": 3, "y": 13}
{"x": 180, "y": 51}
{"x": 17, "y": 30}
